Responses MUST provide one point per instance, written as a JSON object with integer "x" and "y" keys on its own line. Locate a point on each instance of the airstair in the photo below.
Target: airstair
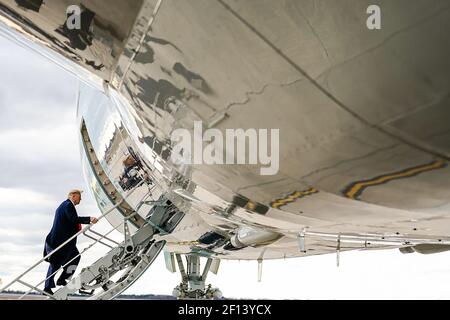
{"x": 126, "y": 260}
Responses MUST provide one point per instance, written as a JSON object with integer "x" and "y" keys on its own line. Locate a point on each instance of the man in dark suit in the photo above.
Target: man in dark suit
{"x": 65, "y": 224}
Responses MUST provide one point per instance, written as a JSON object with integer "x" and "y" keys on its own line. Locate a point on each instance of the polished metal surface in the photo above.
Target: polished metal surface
{"x": 363, "y": 115}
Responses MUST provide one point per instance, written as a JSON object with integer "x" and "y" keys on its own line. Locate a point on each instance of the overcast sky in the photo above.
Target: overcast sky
{"x": 40, "y": 162}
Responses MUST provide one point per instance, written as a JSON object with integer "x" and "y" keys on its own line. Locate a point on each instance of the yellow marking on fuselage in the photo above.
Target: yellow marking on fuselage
{"x": 352, "y": 193}
{"x": 292, "y": 197}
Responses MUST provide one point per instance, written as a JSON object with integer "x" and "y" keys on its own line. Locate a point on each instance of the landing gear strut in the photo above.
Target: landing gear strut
{"x": 192, "y": 284}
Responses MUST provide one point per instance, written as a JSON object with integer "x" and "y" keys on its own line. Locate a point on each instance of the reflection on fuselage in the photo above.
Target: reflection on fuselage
{"x": 350, "y": 111}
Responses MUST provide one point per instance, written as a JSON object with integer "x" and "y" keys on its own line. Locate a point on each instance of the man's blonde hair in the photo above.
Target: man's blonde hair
{"x": 74, "y": 191}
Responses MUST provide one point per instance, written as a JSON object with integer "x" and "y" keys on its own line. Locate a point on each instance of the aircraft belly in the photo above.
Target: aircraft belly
{"x": 338, "y": 100}
{"x": 363, "y": 116}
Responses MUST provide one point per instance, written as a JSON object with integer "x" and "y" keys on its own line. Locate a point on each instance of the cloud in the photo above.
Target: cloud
{"x": 33, "y": 90}
{"x": 24, "y": 199}
{"x": 40, "y": 146}
{"x": 46, "y": 159}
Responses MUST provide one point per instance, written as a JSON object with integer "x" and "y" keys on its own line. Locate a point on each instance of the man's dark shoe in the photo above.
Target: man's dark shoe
{"x": 49, "y": 291}
{"x": 61, "y": 282}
